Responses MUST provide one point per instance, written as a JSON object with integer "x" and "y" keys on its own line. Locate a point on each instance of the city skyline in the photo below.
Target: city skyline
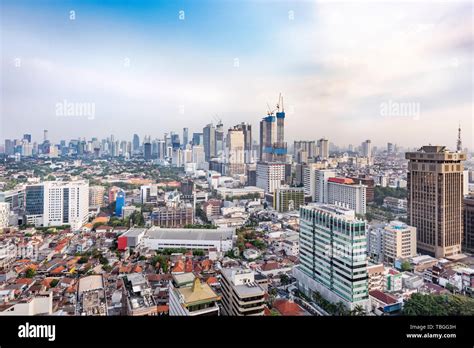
{"x": 160, "y": 66}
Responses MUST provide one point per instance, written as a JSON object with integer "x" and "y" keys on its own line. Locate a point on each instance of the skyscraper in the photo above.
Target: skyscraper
{"x": 136, "y": 144}
{"x": 147, "y": 150}
{"x": 367, "y": 148}
{"x": 273, "y": 147}
{"x": 333, "y": 255}
{"x": 209, "y": 133}
{"x": 435, "y": 194}
{"x": 219, "y": 139}
{"x": 304, "y": 146}
{"x": 185, "y": 136}
{"x": 247, "y": 129}
{"x": 468, "y": 238}
{"x": 198, "y": 139}
{"x": 323, "y": 148}
{"x": 235, "y": 161}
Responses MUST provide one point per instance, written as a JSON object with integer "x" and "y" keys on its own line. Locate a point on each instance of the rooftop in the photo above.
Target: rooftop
{"x": 197, "y": 293}
{"x": 91, "y": 282}
{"x": 190, "y": 233}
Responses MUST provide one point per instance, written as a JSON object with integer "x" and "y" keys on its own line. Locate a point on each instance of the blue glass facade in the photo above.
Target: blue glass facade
{"x": 119, "y": 203}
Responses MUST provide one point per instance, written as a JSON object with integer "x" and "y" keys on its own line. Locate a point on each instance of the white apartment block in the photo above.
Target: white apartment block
{"x": 56, "y": 203}
{"x": 345, "y": 192}
{"x": 392, "y": 241}
{"x": 270, "y": 176}
{"x": 321, "y": 177}
{"x": 4, "y": 214}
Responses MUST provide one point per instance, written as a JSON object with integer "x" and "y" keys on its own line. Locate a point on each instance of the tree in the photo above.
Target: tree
{"x": 406, "y": 266}
{"x": 358, "y": 311}
{"x": 83, "y": 260}
{"x": 30, "y": 273}
{"x": 439, "y": 305}
{"x": 284, "y": 279}
{"x": 53, "y": 283}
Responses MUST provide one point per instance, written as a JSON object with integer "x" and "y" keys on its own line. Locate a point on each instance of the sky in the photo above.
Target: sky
{"x": 388, "y": 71}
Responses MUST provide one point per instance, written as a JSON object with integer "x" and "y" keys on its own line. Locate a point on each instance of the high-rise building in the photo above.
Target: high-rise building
{"x": 367, "y": 148}
{"x": 9, "y": 147}
{"x": 323, "y": 148}
{"x": 435, "y": 198}
{"x": 56, "y": 203}
{"x": 369, "y": 182}
{"x": 303, "y": 150}
{"x": 389, "y": 242}
{"x": 321, "y": 194}
{"x": 147, "y": 150}
{"x": 270, "y": 176}
{"x": 333, "y": 255}
{"x": 198, "y": 139}
{"x": 198, "y": 156}
{"x": 308, "y": 178}
{"x": 148, "y": 194}
{"x": 27, "y": 137}
{"x": 119, "y": 202}
{"x": 235, "y": 159}
{"x": 219, "y": 151}
{"x": 288, "y": 199}
{"x": 247, "y": 130}
{"x": 273, "y": 147}
{"x": 468, "y": 238}
{"x": 241, "y": 295}
{"x": 390, "y": 148}
{"x": 346, "y": 192}
{"x": 185, "y": 136}
{"x": 96, "y": 196}
{"x": 209, "y": 139}
{"x": 136, "y": 144}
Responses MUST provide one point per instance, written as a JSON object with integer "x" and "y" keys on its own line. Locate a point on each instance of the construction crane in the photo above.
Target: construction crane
{"x": 270, "y": 111}
{"x": 280, "y": 103}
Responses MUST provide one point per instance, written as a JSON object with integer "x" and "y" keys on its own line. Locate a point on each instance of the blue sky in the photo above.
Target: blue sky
{"x": 148, "y": 72}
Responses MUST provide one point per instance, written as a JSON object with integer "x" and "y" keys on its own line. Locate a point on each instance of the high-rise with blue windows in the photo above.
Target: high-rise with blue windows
{"x": 119, "y": 203}
{"x": 333, "y": 255}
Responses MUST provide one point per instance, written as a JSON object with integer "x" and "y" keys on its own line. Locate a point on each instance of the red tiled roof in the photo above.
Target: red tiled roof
{"x": 162, "y": 309}
{"x": 383, "y": 297}
{"x": 269, "y": 266}
{"x": 179, "y": 267}
{"x": 27, "y": 281}
{"x": 286, "y": 307}
{"x": 345, "y": 181}
{"x": 58, "y": 270}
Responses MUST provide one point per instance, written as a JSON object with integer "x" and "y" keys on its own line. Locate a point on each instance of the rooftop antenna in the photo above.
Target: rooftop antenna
{"x": 459, "y": 141}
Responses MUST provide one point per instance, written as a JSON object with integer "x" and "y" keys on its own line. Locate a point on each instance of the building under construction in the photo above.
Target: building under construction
{"x": 272, "y": 135}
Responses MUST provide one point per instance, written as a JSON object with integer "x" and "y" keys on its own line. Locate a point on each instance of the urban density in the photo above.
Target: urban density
{"x": 253, "y": 158}
{"x": 215, "y": 222}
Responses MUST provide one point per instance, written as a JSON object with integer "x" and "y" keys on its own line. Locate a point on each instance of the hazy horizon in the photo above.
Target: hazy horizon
{"x": 348, "y": 71}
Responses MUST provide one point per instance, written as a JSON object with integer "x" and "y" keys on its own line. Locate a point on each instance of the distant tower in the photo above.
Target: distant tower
{"x": 272, "y": 137}
{"x": 459, "y": 142}
{"x": 45, "y": 135}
